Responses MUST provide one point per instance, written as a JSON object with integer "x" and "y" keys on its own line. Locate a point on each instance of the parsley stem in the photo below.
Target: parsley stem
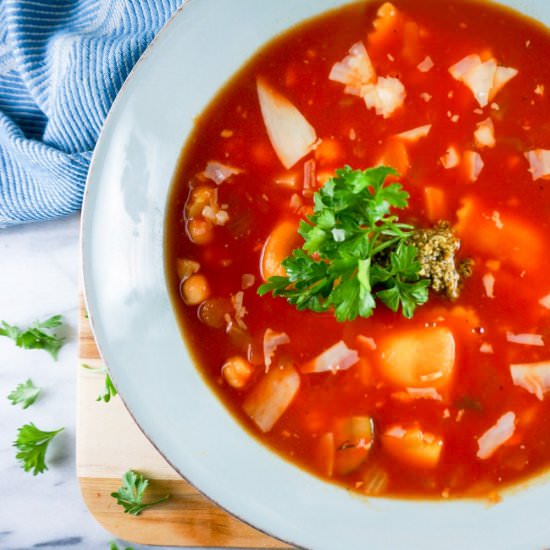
{"x": 385, "y": 244}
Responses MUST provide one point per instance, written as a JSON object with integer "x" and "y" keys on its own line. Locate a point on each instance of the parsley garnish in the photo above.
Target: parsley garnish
{"x": 130, "y": 495}
{"x": 25, "y": 394}
{"x": 38, "y": 336}
{"x": 109, "y": 390}
{"x": 33, "y": 444}
{"x": 355, "y": 250}
{"x": 114, "y": 546}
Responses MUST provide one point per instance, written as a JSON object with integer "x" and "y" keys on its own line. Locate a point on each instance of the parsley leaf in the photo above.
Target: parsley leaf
{"x": 109, "y": 391}
{"x": 38, "y": 336}
{"x": 25, "y": 394}
{"x": 355, "y": 250}
{"x": 114, "y": 546}
{"x": 32, "y": 444}
{"x": 130, "y": 495}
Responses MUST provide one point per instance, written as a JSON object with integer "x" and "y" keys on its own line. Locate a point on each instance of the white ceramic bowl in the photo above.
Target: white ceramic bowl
{"x": 135, "y": 326}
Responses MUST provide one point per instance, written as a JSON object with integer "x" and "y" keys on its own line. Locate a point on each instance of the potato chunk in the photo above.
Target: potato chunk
{"x": 412, "y": 446}
{"x": 271, "y": 396}
{"x": 422, "y": 357}
{"x": 508, "y": 238}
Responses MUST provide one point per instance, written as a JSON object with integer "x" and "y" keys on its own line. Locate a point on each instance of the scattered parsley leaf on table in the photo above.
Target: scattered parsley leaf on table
{"x": 38, "y": 336}
{"x": 32, "y": 444}
{"x": 130, "y": 495}
{"x": 355, "y": 250}
{"x": 114, "y": 546}
{"x": 109, "y": 391}
{"x": 25, "y": 394}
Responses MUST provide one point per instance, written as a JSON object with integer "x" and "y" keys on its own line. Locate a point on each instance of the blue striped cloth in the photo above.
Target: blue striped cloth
{"x": 62, "y": 63}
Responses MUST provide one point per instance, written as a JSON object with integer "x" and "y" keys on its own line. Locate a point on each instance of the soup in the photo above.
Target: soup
{"x": 421, "y": 367}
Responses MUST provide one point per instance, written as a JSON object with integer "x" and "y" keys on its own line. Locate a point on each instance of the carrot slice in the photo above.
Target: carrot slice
{"x": 271, "y": 397}
{"x": 435, "y": 202}
{"x": 412, "y": 446}
{"x": 278, "y": 245}
{"x": 395, "y": 155}
{"x": 418, "y": 358}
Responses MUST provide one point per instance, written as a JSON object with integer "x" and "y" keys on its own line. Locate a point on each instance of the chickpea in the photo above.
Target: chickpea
{"x": 212, "y": 311}
{"x": 185, "y": 268}
{"x": 199, "y": 198}
{"x": 195, "y": 290}
{"x": 201, "y": 232}
{"x": 237, "y": 371}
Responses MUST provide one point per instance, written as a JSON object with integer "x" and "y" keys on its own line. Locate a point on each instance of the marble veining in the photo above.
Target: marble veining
{"x": 39, "y": 277}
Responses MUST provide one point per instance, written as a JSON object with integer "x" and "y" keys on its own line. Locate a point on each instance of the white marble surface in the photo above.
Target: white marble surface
{"x": 39, "y": 273}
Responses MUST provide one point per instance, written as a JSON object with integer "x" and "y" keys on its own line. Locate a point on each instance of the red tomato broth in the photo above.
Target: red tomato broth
{"x": 297, "y": 65}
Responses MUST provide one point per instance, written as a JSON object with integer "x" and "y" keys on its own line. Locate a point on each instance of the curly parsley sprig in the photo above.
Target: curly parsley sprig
{"x": 355, "y": 250}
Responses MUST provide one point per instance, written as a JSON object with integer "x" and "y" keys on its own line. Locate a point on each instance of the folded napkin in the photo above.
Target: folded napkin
{"x": 62, "y": 63}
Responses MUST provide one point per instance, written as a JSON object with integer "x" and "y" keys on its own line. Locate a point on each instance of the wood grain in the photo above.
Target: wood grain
{"x": 109, "y": 443}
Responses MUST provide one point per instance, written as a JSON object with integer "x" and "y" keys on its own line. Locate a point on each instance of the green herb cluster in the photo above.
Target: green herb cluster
{"x": 38, "y": 336}
{"x": 32, "y": 444}
{"x": 355, "y": 250}
{"x": 24, "y": 394}
{"x": 130, "y": 495}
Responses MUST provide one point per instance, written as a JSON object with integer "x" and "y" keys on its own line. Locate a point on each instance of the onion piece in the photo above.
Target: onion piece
{"x": 271, "y": 396}
{"x": 488, "y": 281}
{"x": 424, "y": 393}
{"x": 497, "y": 435}
{"x": 385, "y": 96}
{"x": 451, "y": 158}
{"x": 502, "y": 76}
{"x": 539, "y": 163}
{"x": 545, "y": 301}
{"x": 272, "y": 340}
{"x": 291, "y": 135}
{"x": 416, "y": 133}
{"x": 366, "y": 341}
{"x": 240, "y": 310}
{"x": 425, "y": 65}
{"x": 525, "y": 339}
{"x": 355, "y": 70}
{"x": 485, "y": 133}
{"x": 484, "y": 78}
{"x": 337, "y": 357}
{"x": 411, "y": 394}
{"x": 218, "y": 172}
{"x": 533, "y": 377}
{"x": 473, "y": 164}
{"x": 486, "y": 348}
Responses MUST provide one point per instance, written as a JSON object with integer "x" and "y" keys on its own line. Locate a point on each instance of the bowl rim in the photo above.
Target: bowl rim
{"x": 96, "y": 309}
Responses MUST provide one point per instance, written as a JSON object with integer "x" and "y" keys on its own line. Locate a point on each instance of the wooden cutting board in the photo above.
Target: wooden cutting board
{"x": 109, "y": 443}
